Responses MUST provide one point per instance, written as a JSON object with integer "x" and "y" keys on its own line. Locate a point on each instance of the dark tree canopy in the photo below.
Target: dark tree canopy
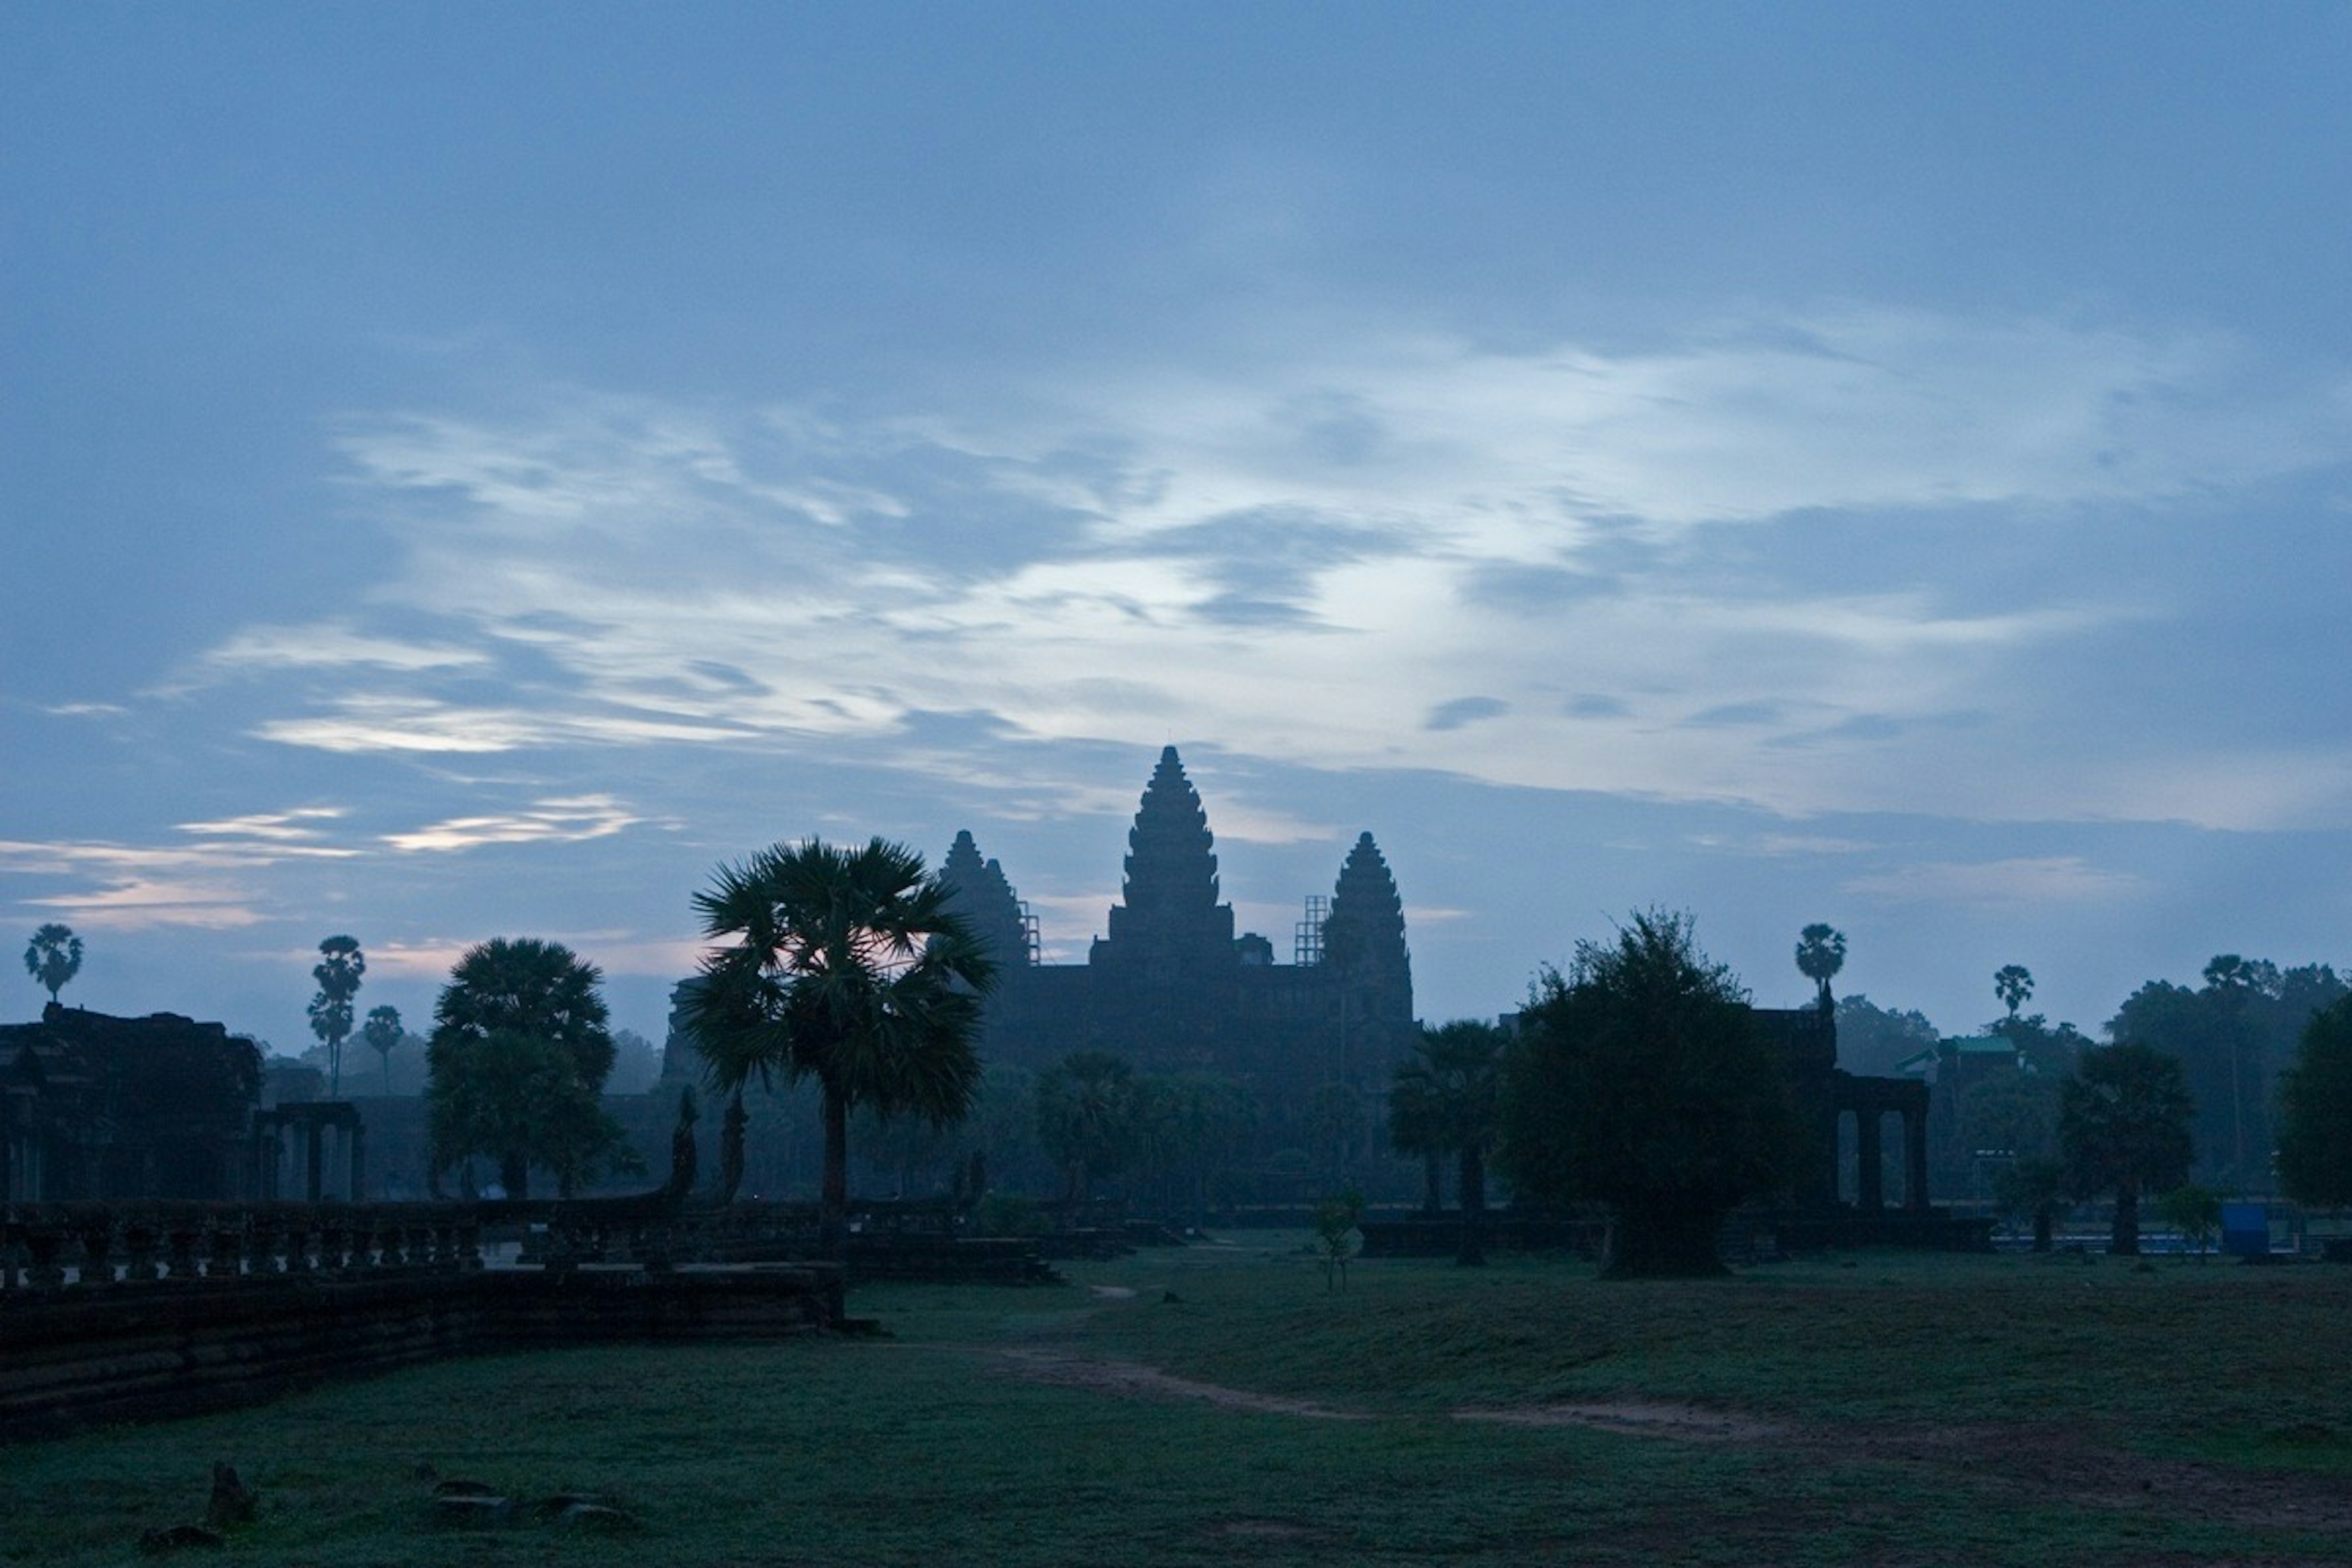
{"x": 1640, "y": 1080}
{"x": 2235, "y": 1035}
{"x": 2014, "y": 984}
{"x": 53, "y": 957}
{"x": 2122, "y": 1127}
{"x": 1088, "y": 1114}
{"x": 518, "y": 1056}
{"x": 1820, "y": 953}
{"x": 341, "y": 964}
{"x": 1446, "y": 1099}
{"x": 383, "y": 1032}
{"x": 848, "y": 966}
{"x": 1875, "y": 1040}
{"x": 2315, "y": 1146}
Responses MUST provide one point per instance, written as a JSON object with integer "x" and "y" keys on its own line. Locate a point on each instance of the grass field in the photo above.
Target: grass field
{"x": 1883, "y": 1409}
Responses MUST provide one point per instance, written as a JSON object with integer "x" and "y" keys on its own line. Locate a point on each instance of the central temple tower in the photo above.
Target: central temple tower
{"x": 1167, "y": 922}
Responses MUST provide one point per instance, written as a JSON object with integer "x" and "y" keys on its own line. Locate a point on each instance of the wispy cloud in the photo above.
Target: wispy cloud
{"x": 567, "y": 821}
{"x": 1296, "y": 560}
{"x": 2052, "y": 879}
{"x": 145, "y": 904}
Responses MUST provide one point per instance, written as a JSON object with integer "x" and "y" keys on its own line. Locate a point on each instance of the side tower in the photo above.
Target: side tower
{"x": 1168, "y": 923}
{"x": 1363, "y": 950}
{"x": 980, "y": 891}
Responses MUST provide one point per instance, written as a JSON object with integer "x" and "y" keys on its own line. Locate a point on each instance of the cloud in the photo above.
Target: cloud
{"x": 1297, "y": 555}
{"x": 1462, "y": 712}
{"x": 144, "y": 904}
{"x": 2054, "y": 879}
{"x": 569, "y": 821}
{"x": 370, "y": 723}
{"x": 334, "y": 645}
{"x": 278, "y": 827}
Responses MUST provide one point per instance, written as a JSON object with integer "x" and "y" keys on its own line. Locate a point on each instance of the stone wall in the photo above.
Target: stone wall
{"x": 105, "y": 1318}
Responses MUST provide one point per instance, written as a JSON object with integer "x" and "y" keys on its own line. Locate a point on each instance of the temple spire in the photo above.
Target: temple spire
{"x": 980, "y": 891}
{"x": 1364, "y": 936}
{"x": 1168, "y": 914}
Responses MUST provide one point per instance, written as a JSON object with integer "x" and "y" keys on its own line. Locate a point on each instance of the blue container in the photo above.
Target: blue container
{"x": 2246, "y": 1230}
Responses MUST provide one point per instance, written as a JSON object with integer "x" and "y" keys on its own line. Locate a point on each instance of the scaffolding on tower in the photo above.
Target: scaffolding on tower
{"x": 1306, "y": 939}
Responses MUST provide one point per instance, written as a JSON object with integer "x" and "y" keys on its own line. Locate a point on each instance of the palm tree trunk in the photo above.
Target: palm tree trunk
{"x": 2123, "y": 1238}
{"x": 832, "y": 1209}
{"x": 1433, "y": 1195}
{"x": 1472, "y": 1253}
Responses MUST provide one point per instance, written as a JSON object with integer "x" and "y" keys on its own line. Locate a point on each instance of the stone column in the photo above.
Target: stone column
{"x": 315, "y": 1146}
{"x": 1915, "y": 1161}
{"x": 1867, "y": 1157}
{"x": 358, "y": 1162}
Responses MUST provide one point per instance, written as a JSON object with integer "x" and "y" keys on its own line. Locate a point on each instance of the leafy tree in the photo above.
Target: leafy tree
{"x": 519, "y": 1054}
{"x": 2042, "y": 1046}
{"x": 1873, "y": 1039}
{"x": 519, "y": 1100}
{"x": 636, "y": 1064}
{"x": 53, "y": 957}
{"x": 2235, "y": 1035}
{"x": 1640, "y": 1080}
{"x": 384, "y": 1033}
{"x": 1209, "y": 1122}
{"x": 1086, "y": 1116}
{"x": 2034, "y": 1185}
{"x": 1451, "y": 1096}
{"x": 2194, "y": 1212}
{"x": 1820, "y": 953}
{"x": 1334, "y": 1127}
{"x": 848, "y": 967}
{"x": 2314, "y": 1150}
{"x": 2122, "y": 1127}
{"x": 341, "y": 964}
{"x": 1417, "y": 1126}
{"x": 1335, "y": 1219}
{"x": 2014, "y": 984}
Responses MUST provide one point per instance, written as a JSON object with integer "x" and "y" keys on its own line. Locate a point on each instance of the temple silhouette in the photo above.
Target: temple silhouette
{"x": 1173, "y": 988}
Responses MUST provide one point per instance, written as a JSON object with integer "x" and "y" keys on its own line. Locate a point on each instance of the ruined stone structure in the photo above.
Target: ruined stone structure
{"x": 1827, "y": 1094}
{"x": 1173, "y": 988}
{"x": 93, "y": 1106}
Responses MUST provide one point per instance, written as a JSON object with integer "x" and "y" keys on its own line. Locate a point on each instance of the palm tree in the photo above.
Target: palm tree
{"x": 383, "y": 1034}
{"x": 53, "y": 957}
{"x": 519, "y": 1052}
{"x": 1090, "y": 1116}
{"x": 2123, "y": 1126}
{"x": 1417, "y": 1126}
{"x": 847, "y": 967}
{"x": 1820, "y": 953}
{"x": 2014, "y": 984}
{"x": 341, "y": 964}
{"x": 1461, "y": 1068}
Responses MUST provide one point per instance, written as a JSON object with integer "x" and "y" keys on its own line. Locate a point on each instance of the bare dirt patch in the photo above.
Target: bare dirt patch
{"x": 1134, "y": 1381}
{"x": 1689, "y": 1423}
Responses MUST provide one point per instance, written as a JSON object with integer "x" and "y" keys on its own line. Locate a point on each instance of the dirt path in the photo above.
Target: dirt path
{"x": 2027, "y": 1464}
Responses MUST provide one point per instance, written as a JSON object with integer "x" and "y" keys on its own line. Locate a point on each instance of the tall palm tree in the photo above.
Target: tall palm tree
{"x": 1820, "y": 953}
{"x": 341, "y": 964}
{"x": 53, "y": 957}
{"x": 2014, "y": 984}
{"x": 847, "y": 967}
{"x": 1417, "y": 1126}
{"x": 382, "y": 1032}
{"x": 1462, "y": 1063}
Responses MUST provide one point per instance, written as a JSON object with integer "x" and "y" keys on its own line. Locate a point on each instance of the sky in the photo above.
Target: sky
{"x": 472, "y": 471}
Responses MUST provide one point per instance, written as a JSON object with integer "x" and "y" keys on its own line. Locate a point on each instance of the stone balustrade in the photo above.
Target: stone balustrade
{"x": 90, "y": 1246}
